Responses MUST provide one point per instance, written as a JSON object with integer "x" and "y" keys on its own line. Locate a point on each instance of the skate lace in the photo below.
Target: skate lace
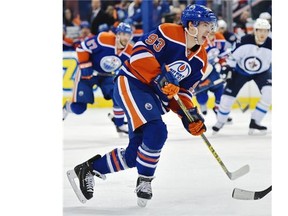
{"x": 144, "y": 187}
{"x": 89, "y": 180}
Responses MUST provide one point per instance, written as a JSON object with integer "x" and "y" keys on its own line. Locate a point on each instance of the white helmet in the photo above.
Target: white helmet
{"x": 265, "y": 15}
{"x": 222, "y": 24}
{"x": 261, "y": 24}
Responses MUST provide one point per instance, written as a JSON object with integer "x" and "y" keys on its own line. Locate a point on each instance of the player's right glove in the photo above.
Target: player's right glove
{"x": 197, "y": 127}
{"x": 167, "y": 82}
{"x": 86, "y": 70}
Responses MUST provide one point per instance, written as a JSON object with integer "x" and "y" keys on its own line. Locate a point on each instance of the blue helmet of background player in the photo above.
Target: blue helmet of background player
{"x": 197, "y": 13}
{"x": 84, "y": 24}
{"x": 124, "y": 27}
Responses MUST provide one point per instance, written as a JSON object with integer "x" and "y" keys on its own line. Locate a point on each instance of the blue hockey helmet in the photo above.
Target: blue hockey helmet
{"x": 124, "y": 27}
{"x": 196, "y": 13}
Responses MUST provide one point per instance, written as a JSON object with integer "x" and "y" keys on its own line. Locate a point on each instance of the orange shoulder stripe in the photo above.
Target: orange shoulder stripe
{"x": 107, "y": 38}
{"x": 173, "y": 32}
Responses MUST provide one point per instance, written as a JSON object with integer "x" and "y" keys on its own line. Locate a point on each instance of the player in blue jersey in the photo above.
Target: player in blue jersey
{"x": 253, "y": 56}
{"x": 217, "y": 54}
{"x": 99, "y": 58}
{"x": 167, "y": 61}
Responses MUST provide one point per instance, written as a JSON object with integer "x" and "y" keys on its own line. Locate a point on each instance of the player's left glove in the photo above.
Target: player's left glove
{"x": 167, "y": 82}
{"x": 197, "y": 127}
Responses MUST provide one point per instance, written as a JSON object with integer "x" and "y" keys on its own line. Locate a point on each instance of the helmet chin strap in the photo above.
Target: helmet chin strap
{"x": 119, "y": 44}
{"x": 195, "y": 35}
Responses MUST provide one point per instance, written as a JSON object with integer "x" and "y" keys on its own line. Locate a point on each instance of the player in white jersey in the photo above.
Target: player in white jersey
{"x": 253, "y": 56}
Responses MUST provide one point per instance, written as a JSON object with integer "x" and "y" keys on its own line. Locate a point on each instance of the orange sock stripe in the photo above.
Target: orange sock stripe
{"x": 116, "y": 162}
{"x": 147, "y": 158}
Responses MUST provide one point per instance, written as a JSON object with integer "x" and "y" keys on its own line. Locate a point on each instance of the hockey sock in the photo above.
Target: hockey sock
{"x": 118, "y": 116}
{"x": 263, "y": 105}
{"x": 146, "y": 161}
{"x": 148, "y": 153}
{"x": 111, "y": 162}
{"x": 225, "y": 108}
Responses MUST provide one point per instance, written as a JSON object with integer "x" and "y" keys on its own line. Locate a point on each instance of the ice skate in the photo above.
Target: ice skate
{"x": 121, "y": 130}
{"x": 65, "y": 111}
{"x": 217, "y": 127}
{"x": 229, "y": 119}
{"x": 203, "y": 109}
{"x": 255, "y": 129}
{"x": 143, "y": 190}
{"x": 85, "y": 174}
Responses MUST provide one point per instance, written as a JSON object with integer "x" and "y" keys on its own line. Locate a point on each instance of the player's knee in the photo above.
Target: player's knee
{"x": 155, "y": 134}
{"x": 78, "y": 108}
{"x": 131, "y": 151}
{"x": 226, "y": 102}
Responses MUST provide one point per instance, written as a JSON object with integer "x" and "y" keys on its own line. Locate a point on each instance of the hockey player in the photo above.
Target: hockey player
{"x": 253, "y": 55}
{"x": 99, "y": 58}
{"x": 230, "y": 37}
{"x": 167, "y": 61}
{"x": 215, "y": 48}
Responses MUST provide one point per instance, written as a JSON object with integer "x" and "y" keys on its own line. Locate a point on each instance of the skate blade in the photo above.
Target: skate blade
{"x": 142, "y": 202}
{"x": 255, "y": 132}
{"x": 71, "y": 177}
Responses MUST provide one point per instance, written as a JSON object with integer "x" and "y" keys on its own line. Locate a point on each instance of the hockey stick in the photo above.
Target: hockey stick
{"x": 215, "y": 83}
{"x": 232, "y": 175}
{"x": 250, "y": 195}
{"x": 96, "y": 73}
{"x": 240, "y": 106}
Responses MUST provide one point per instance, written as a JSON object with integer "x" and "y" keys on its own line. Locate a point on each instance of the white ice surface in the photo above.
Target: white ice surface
{"x": 189, "y": 180}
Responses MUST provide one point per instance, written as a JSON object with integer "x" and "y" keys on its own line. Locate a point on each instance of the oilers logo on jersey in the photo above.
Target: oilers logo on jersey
{"x": 252, "y": 64}
{"x": 110, "y": 63}
{"x": 180, "y": 69}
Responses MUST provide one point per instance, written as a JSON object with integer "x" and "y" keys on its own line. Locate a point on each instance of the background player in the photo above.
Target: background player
{"x": 215, "y": 47}
{"x": 253, "y": 56}
{"x": 99, "y": 58}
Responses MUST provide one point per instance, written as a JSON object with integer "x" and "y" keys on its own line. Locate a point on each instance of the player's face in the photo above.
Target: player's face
{"x": 124, "y": 38}
{"x": 261, "y": 35}
{"x": 204, "y": 29}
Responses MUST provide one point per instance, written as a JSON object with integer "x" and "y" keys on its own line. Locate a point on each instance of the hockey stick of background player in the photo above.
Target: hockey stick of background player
{"x": 215, "y": 83}
{"x": 232, "y": 175}
{"x": 96, "y": 73}
{"x": 250, "y": 195}
{"x": 240, "y": 106}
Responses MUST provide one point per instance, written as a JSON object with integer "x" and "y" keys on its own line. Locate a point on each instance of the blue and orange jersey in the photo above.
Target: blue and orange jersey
{"x": 216, "y": 49}
{"x": 68, "y": 44}
{"x": 102, "y": 52}
{"x": 167, "y": 45}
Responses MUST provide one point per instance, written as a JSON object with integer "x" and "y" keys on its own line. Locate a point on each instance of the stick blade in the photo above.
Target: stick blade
{"x": 240, "y": 172}
{"x": 250, "y": 195}
{"x": 246, "y": 108}
{"x": 241, "y": 194}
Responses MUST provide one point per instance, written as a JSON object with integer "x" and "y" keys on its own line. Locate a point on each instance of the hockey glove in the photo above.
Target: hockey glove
{"x": 226, "y": 72}
{"x": 197, "y": 127}
{"x": 86, "y": 70}
{"x": 167, "y": 82}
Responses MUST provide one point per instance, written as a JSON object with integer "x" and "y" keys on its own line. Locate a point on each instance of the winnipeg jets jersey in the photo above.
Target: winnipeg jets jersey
{"x": 101, "y": 50}
{"x": 166, "y": 45}
{"x": 251, "y": 58}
